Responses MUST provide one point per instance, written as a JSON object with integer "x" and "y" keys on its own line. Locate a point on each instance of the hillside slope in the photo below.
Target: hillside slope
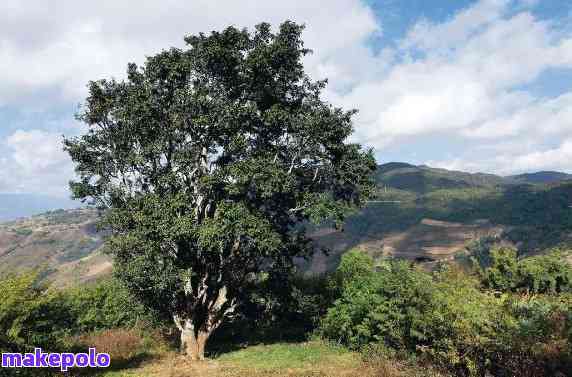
{"x": 541, "y": 177}
{"x": 63, "y": 244}
{"x": 429, "y": 215}
{"x": 423, "y": 179}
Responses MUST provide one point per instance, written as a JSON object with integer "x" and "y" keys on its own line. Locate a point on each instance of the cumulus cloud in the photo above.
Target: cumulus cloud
{"x": 468, "y": 85}
{"x": 49, "y": 50}
{"x": 508, "y": 162}
{"x": 35, "y": 162}
{"x": 464, "y": 79}
{"x": 538, "y": 119}
{"x": 467, "y": 77}
{"x": 429, "y": 36}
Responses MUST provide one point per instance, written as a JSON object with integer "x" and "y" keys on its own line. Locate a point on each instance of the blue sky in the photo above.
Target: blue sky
{"x": 471, "y": 85}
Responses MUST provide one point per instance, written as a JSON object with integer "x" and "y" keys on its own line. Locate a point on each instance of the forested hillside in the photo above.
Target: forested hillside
{"x": 428, "y": 215}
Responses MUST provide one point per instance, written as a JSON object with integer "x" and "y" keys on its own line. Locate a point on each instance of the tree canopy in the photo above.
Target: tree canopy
{"x": 207, "y": 159}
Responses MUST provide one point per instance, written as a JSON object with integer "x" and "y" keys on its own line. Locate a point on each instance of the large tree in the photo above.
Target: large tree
{"x": 207, "y": 160}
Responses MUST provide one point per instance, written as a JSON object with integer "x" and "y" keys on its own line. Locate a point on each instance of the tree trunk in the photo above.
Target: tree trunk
{"x": 195, "y": 334}
{"x": 193, "y": 342}
{"x": 201, "y": 344}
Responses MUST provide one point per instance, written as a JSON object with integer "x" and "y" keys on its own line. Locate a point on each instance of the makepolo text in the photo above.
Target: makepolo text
{"x": 39, "y": 359}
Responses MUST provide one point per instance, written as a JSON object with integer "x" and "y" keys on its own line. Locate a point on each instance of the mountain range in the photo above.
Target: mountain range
{"x": 400, "y": 175}
{"x": 13, "y": 206}
{"x": 423, "y": 179}
{"x": 418, "y": 213}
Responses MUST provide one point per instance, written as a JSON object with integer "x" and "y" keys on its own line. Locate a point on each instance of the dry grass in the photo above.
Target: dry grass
{"x": 121, "y": 344}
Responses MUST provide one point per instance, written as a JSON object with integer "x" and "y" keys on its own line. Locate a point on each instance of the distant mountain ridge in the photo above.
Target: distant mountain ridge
{"x": 13, "y": 206}
{"x": 540, "y": 177}
{"x": 422, "y": 179}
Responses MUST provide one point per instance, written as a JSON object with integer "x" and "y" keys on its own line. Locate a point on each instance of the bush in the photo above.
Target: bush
{"x": 535, "y": 338}
{"x": 31, "y": 315}
{"x": 502, "y": 274}
{"x": 377, "y": 307}
{"x": 121, "y": 344}
{"x": 353, "y": 265}
{"x": 446, "y": 317}
{"x": 549, "y": 273}
{"x": 106, "y": 305}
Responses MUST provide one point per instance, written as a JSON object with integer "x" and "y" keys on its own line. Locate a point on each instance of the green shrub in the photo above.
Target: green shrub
{"x": 378, "y": 307}
{"x": 447, "y": 318}
{"x": 106, "y": 305}
{"x": 539, "y": 342}
{"x": 353, "y": 266}
{"x": 503, "y": 271}
{"x": 549, "y": 273}
{"x": 31, "y": 315}
{"x": 23, "y": 231}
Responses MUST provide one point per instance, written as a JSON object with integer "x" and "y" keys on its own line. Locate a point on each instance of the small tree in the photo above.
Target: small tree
{"x": 502, "y": 274}
{"x": 31, "y": 315}
{"x": 207, "y": 160}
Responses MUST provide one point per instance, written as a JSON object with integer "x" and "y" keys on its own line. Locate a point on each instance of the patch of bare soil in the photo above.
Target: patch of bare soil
{"x": 429, "y": 240}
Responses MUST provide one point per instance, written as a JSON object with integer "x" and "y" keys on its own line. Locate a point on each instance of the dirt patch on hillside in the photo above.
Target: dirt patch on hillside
{"x": 432, "y": 240}
{"x": 429, "y": 240}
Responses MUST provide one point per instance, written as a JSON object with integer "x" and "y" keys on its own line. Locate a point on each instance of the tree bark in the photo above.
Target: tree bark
{"x": 193, "y": 342}
{"x": 202, "y": 338}
{"x": 193, "y": 346}
{"x": 194, "y": 332}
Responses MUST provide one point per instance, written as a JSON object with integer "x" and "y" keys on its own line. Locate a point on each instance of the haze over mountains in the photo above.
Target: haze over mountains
{"x": 13, "y": 206}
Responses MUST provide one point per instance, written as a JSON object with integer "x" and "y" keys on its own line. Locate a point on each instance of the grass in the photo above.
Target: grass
{"x": 291, "y": 356}
{"x": 307, "y": 359}
{"x": 282, "y": 359}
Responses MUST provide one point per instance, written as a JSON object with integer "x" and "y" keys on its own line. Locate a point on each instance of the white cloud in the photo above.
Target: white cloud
{"x": 467, "y": 86}
{"x": 56, "y": 47}
{"x": 50, "y": 50}
{"x": 462, "y": 79}
{"x": 557, "y": 158}
{"x": 467, "y": 78}
{"x": 36, "y": 150}
{"x": 538, "y": 119}
{"x": 429, "y": 36}
{"x": 35, "y": 162}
